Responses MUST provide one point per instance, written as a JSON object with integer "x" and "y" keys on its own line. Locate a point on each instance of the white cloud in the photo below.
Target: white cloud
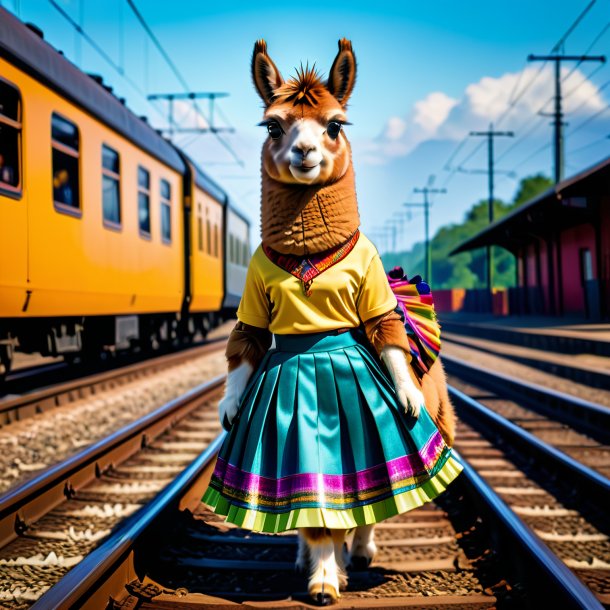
{"x": 187, "y": 117}
{"x": 439, "y": 116}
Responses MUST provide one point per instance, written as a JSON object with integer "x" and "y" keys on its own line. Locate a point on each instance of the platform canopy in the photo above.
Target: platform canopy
{"x": 571, "y": 202}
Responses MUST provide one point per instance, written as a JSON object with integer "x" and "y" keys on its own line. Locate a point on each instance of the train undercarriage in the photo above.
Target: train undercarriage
{"x": 96, "y": 337}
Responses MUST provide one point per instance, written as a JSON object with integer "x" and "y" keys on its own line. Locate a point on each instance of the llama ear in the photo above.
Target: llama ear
{"x": 342, "y": 77}
{"x": 266, "y": 76}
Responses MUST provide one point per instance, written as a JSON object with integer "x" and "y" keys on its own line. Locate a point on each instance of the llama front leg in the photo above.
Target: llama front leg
{"x": 341, "y": 556}
{"x": 323, "y": 586}
{"x": 363, "y": 549}
{"x": 246, "y": 347}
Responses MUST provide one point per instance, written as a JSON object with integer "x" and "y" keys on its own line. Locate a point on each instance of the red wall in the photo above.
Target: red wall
{"x": 531, "y": 265}
{"x": 605, "y": 249}
{"x": 582, "y": 236}
{"x": 544, "y": 273}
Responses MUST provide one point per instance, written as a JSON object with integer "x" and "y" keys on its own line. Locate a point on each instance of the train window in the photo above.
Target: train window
{"x": 166, "y": 218}
{"x": 10, "y": 138}
{"x": 216, "y": 253}
{"x": 208, "y": 236}
{"x": 111, "y": 187}
{"x": 244, "y": 256}
{"x": 144, "y": 201}
{"x": 231, "y": 248}
{"x": 199, "y": 228}
{"x": 65, "y": 140}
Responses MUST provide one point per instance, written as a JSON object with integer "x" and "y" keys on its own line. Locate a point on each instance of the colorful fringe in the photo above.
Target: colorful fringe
{"x": 417, "y": 308}
{"x": 336, "y": 491}
{"x": 260, "y": 520}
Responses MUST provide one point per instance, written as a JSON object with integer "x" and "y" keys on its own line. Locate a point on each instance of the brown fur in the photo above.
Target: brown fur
{"x": 315, "y": 534}
{"x": 247, "y": 343}
{"x": 297, "y": 219}
{"x": 388, "y": 329}
{"x": 438, "y": 404}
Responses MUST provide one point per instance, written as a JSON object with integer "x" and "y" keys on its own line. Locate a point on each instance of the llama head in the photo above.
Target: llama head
{"x": 304, "y": 117}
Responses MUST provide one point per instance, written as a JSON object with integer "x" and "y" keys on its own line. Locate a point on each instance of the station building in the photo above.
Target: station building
{"x": 561, "y": 241}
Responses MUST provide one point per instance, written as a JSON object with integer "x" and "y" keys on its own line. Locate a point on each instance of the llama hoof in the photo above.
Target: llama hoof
{"x": 359, "y": 563}
{"x": 323, "y": 594}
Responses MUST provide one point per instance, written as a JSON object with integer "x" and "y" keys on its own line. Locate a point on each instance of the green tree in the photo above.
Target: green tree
{"x": 531, "y": 187}
{"x": 467, "y": 270}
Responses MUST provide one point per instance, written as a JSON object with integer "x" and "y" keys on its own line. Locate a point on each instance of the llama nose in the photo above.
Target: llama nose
{"x": 302, "y": 149}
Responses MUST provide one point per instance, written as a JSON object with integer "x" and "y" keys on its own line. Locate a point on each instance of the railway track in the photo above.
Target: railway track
{"x": 468, "y": 550}
{"x": 587, "y": 369}
{"x": 549, "y": 339}
{"x": 525, "y": 526}
{"x": 38, "y": 401}
{"x": 578, "y": 428}
{"x": 51, "y": 522}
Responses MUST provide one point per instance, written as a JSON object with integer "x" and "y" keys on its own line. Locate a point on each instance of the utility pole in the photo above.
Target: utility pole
{"x": 490, "y": 135}
{"x": 170, "y": 97}
{"x": 391, "y": 227}
{"x": 426, "y": 190}
{"x": 558, "y": 147}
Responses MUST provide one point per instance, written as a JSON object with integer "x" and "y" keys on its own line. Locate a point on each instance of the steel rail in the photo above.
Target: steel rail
{"x": 34, "y": 498}
{"x": 15, "y": 409}
{"x": 567, "y": 369}
{"x": 92, "y": 578}
{"x": 590, "y": 482}
{"x": 587, "y": 417}
{"x": 85, "y": 579}
{"x": 536, "y": 338}
{"x": 545, "y": 571}
{"x": 542, "y": 568}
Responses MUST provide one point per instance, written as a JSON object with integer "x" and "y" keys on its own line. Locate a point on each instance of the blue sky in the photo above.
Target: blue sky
{"x": 429, "y": 72}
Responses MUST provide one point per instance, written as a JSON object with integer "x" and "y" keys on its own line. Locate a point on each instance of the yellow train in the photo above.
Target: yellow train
{"x": 110, "y": 236}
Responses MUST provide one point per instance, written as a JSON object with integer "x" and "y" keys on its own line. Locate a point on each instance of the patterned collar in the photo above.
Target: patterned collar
{"x": 307, "y": 269}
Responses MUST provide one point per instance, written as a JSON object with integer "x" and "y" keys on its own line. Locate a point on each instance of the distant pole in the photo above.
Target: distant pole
{"x": 558, "y": 140}
{"x": 490, "y": 135}
{"x": 426, "y": 205}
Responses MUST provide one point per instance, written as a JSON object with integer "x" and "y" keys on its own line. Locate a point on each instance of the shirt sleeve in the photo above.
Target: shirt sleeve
{"x": 375, "y": 296}
{"x": 254, "y": 307}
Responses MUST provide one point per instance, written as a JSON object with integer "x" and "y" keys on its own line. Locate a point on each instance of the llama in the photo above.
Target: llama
{"x": 320, "y": 437}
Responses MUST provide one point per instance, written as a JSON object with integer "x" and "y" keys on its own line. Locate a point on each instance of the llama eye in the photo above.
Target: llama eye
{"x": 333, "y": 129}
{"x": 274, "y": 130}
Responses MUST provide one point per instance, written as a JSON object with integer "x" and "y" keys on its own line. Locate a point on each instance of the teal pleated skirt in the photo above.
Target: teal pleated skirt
{"x": 320, "y": 440}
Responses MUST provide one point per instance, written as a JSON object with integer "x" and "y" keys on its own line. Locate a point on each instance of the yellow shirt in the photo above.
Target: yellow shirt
{"x": 350, "y": 292}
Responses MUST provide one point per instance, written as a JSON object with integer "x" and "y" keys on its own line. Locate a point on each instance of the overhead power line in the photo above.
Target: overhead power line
{"x": 515, "y": 98}
{"x": 157, "y": 44}
{"x": 425, "y": 191}
{"x": 574, "y": 25}
{"x": 178, "y": 75}
{"x": 489, "y": 136}
{"x": 558, "y": 143}
{"x": 209, "y": 95}
{"x": 79, "y": 29}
